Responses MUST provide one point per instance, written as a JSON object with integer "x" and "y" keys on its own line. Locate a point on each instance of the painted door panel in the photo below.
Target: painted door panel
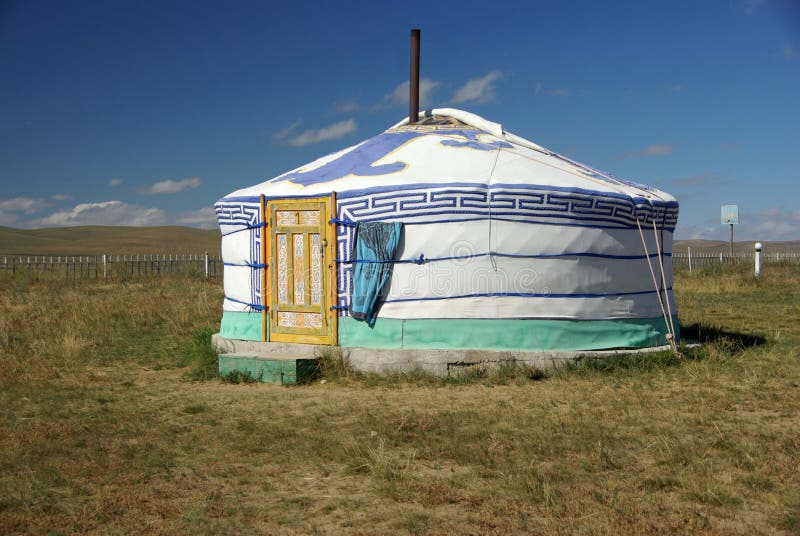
{"x": 299, "y": 308}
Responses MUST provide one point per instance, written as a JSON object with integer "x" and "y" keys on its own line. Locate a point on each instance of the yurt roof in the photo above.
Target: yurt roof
{"x": 448, "y": 147}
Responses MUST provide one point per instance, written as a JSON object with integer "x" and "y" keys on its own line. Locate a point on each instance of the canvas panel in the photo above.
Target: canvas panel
{"x": 525, "y": 335}
{"x": 564, "y": 275}
{"x": 237, "y": 247}
{"x": 639, "y": 306}
{"x": 514, "y": 237}
{"x": 237, "y": 284}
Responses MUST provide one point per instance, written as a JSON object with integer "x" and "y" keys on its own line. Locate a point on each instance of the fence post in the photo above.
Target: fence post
{"x": 690, "y": 258}
{"x": 105, "y": 273}
{"x": 758, "y": 259}
{"x": 206, "y": 263}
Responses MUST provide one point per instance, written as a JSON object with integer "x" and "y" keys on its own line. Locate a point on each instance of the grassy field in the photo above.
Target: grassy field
{"x": 112, "y": 420}
{"x": 99, "y": 240}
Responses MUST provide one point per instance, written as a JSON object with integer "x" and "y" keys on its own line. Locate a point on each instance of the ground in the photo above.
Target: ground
{"x": 111, "y": 420}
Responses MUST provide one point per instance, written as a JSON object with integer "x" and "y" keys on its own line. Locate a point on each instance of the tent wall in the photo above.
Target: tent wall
{"x": 239, "y": 222}
{"x": 504, "y": 278}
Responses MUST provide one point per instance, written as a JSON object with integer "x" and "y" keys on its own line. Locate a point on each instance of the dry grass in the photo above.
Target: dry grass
{"x": 99, "y": 240}
{"x": 104, "y": 431}
{"x": 51, "y": 329}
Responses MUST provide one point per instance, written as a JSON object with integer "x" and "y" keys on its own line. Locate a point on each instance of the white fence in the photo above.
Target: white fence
{"x": 700, "y": 260}
{"x": 105, "y": 266}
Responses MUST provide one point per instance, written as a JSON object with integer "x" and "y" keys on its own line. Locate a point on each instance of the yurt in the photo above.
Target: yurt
{"x": 448, "y": 234}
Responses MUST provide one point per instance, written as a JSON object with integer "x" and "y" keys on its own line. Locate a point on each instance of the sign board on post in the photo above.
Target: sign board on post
{"x": 730, "y": 216}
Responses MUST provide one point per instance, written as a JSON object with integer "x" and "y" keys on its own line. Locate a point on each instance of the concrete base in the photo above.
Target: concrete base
{"x": 439, "y": 362}
{"x": 281, "y": 370}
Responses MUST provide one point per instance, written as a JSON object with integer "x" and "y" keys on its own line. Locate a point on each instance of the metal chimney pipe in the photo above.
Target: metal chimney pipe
{"x": 413, "y": 85}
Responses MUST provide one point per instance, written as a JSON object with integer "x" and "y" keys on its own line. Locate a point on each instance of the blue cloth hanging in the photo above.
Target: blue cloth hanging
{"x": 374, "y": 249}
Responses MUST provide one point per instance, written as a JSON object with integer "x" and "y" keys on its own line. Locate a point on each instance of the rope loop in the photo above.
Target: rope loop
{"x": 347, "y": 223}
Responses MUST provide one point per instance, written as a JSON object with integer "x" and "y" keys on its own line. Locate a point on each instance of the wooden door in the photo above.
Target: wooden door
{"x": 300, "y": 271}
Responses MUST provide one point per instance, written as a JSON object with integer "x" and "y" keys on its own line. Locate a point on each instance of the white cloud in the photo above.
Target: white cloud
{"x": 678, "y": 88}
{"x": 658, "y": 149}
{"x": 478, "y": 89}
{"x": 790, "y": 53}
{"x": 205, "y": 218}
{"x": 284, "y": 132}
{"x": 317, "y": 135}
{"x": 698, "y": 232}
{"x": 113, "y": 183}
{"x": 7, "y": 219}
{"x": 399, "y": 95}
{"x": 114, "y": 213}
{"x": 346, "y": 107}
{"x": 770, "y": 224}
{"x": 27, "y": 205}
{"x": 774, "y": 224}
{"x": 171, "y": 187}
{"x": 105, "y": 213}
{"x": 61, "y": 197}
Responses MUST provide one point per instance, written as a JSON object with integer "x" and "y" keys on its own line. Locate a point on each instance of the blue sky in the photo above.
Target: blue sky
{"x": 145, "y": 113}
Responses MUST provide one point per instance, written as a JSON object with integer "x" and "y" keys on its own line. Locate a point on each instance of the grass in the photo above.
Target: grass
{"x": 99, "y": 240}
{"x": 112, "y": 419}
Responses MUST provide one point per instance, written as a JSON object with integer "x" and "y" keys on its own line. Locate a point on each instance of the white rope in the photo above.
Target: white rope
{"x": 663, "y": 278}
{"x": 670, "y": 335}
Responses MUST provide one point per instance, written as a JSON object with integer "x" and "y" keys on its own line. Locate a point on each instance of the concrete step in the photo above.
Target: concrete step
{"x": 269, "y": 368}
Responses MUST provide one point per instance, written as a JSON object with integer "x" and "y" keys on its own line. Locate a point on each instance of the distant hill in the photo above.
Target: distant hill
{"x": 97, "y": 240}
{"x": 706, "y": 246}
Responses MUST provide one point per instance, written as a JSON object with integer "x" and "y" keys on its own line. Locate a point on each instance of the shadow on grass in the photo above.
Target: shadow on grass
{"x": 715, "y": 344}
{"x": 705, "y": 333}
{"x": 635, "y": 362}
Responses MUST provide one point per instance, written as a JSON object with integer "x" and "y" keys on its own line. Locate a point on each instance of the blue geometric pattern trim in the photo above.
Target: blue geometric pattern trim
{"x": 530, "y": 203}
{"x": 242, "y": 215}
